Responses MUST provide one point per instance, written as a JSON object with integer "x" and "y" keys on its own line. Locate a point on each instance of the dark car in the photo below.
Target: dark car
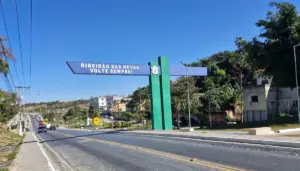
{"x": 42, "y": 129}
{"x": 52, "y": 127}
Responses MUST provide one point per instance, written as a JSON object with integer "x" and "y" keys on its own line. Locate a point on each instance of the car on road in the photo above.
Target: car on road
{"x": 52, "y": 127}
{"x": 42, "y": 129}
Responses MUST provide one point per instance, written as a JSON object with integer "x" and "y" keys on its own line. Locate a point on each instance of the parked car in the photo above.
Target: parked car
{"x": 42, "y": 129}
{"x": 52, "y": 127}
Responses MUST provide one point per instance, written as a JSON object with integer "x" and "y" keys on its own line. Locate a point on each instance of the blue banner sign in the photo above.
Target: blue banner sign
{"x": 108, "y": 69}
{"x": 130, "y": 69}
{"x": 190, "y": 71}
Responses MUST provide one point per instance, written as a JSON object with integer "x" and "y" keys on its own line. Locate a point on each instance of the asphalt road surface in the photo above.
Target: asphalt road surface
{"x": 86, "y": 150}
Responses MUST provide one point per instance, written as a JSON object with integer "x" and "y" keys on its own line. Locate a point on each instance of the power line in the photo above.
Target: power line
{"x": 6, "y": 30}
{"x": 8, "y": 83}
{"x": 20, "y": 44}
{"x": 30, "y": 52}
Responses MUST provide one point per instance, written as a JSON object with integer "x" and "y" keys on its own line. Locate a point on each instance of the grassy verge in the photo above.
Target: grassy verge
{"x": 10, "y": 143}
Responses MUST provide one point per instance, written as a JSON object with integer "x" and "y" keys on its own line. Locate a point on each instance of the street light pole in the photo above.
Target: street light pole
{"x": 242, "y": 98}
{"x": 296, "y": 77}
{"x": 188, "y": 96}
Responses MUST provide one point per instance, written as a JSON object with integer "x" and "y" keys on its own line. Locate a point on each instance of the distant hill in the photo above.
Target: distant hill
{"x": 58, "y": 107}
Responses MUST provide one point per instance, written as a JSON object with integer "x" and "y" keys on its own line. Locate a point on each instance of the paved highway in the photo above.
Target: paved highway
{"x": 85, "y": 150}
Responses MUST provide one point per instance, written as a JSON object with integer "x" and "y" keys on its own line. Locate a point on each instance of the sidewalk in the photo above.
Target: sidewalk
{"x": 224, "y": 134}
{"x": 30, "y": 156}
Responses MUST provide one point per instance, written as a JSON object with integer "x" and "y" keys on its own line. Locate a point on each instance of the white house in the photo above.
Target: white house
{"x": 104, "y": 102}
{"x": 262, "y": 102}
{"x": 99, "y": 102}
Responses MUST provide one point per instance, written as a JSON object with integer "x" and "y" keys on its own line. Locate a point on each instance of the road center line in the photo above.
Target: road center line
{"x": 165, "y": 154}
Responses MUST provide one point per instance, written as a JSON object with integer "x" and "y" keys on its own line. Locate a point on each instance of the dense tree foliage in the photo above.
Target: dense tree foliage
{"x": 8, "y": 106}
{"x": 140, "y": 101}
{"x": 8, "y": 100}
{"x": 270, "y": 53}
{"x": 4, "y": 67}
{"x": 75, "y": 112}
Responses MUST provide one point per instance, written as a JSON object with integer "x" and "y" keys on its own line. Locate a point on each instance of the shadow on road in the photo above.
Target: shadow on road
{"x": 76, "y": 136}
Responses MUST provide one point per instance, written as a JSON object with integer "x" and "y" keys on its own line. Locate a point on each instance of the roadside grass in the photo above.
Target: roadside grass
{"x": 4, "y": 169}
{"x": 10, "y": 143}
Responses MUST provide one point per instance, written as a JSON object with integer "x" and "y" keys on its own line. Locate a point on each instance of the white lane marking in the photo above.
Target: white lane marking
{"x": 44, "y": 153}
{"x": 58, "y": 156}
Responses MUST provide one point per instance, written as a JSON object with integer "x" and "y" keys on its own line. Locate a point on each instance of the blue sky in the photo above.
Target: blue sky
{"x": 118, "y": 31}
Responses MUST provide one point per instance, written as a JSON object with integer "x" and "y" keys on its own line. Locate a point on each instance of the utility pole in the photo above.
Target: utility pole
{"x": 20, "y": 104}
{"x": 210, "y": 125}
{"x": 242, "y": 99}
{"x": 296, "y": 78}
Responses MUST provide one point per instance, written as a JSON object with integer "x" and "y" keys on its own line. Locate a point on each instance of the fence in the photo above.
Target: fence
{"x": 282, "y": 107}
{"x": 255, "y": 115}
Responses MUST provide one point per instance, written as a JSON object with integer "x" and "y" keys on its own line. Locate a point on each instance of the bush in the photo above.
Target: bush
{"x": 141, "y": 126}
{"x": 118, "y": 125}
{"x": 106, "y": 125}
{"x": 126, "y": 124}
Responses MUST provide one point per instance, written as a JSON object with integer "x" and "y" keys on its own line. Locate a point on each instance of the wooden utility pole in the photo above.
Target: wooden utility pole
{"x": 20, "y": 104}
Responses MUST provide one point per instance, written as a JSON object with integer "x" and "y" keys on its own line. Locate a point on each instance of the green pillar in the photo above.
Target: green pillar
{"x": 165, "y": 93}
{"x": 155, "y": 97}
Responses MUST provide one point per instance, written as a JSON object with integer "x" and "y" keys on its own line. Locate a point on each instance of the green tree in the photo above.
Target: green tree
{"x": 8, "y": 106}
{"x": 179, "y": 90}
{"x": 50, "y": 116}
{"x": 4, "y": 67}
{"x": 72, "y": 113}
{"x": 273, "y": 50}
{"x": 8, "y": 101}
{"x": 140, "y": 101}
{"x": 92, "y": 111}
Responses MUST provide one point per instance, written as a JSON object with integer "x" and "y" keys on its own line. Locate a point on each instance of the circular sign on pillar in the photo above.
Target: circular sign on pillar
{"x": 96, "y": 121}
{"x": 154, "y": 70}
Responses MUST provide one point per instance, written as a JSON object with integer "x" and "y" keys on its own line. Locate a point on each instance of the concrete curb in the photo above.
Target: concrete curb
{"x": 229, "y": 139}
{"x": 289, "y": 130}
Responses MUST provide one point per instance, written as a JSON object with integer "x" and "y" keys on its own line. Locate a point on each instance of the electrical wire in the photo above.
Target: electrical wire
{"x": 30, "y": 52}
{"x": 20, "y": 43}
{"x": 8, "y": 83}
{"x": 7, "y": 35}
